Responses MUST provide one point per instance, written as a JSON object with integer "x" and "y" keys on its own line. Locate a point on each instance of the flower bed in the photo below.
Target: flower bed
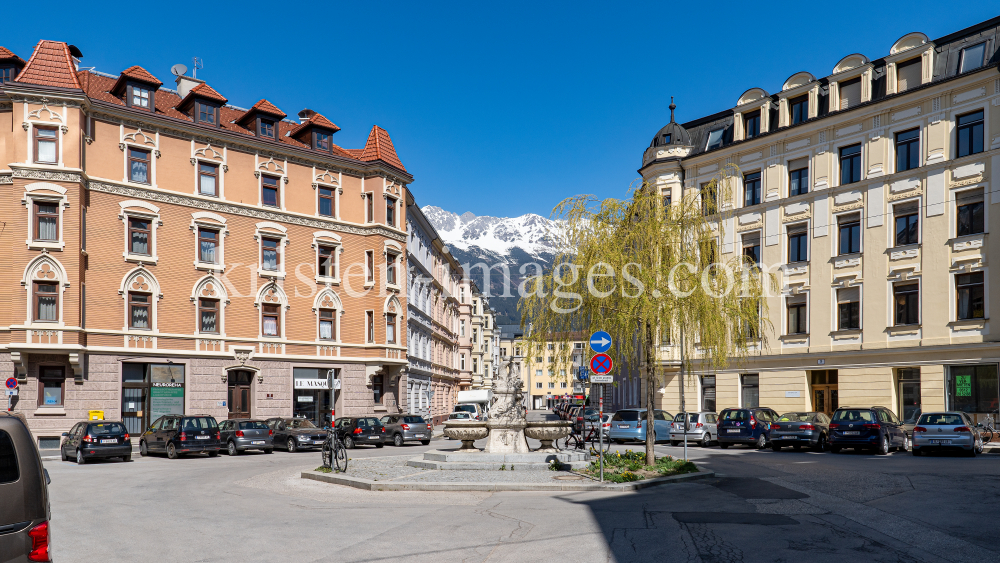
{"x": 623, "y": 467}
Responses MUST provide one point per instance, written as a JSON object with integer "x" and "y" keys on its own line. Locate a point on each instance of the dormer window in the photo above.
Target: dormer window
{"x": 972, "y": 57}
{"x": 139, "y": 97}
{"x": 752, "y": 124}
{"x": 321, "y": 141}
{"x": 908, "y": 74}
{"x": 666, "y": 139}
{"x": 8, "y": 73}
{"x": 714, "y": 139}
{"x": 799, "y": 108}
{"x": 265, "y": 128}
{"x": 205, "y": 113}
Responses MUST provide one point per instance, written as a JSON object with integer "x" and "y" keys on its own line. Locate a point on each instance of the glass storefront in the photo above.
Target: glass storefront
{"x": 973, "y": 388}
{"x": 311, "y": 395}
{"x": 150, "y": 391}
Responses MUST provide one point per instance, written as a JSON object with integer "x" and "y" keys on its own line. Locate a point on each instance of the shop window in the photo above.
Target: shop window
{"x": 973, "y": 388}
{"x": 271, "y": 320}
{"x": 708, "y": 393}
{"x": 46, "y": 145}
{"x": 849, "y": 308}
{"x": 850, "y": 164}
{"x": 798, "y": 176}
{"x": 327, "y": 324}
{"x": 750, "y": 390}
{"x": 907, "y": 219}
{"x": 969, "y": 133}
{"x": 269, "y": 191}
{"x": 46, "y": 306}
{"x": 907, "y": 150}
{"x": 312, "y": 399}
{"x": 849, "y": 233}
{"x": 907, "y": 303}
{"x": 208, "y": 179}
{"x": 971, "y": 213}
{"x": 971, "y": 296}
{"x": 140, "y": 315}
{"x": 139, "y": 236}
{"x": 751, "y": 189}
{"x": 208, "y": 313}
{"x": 51, "y": 386}
{"x": 138, "y": 166}
{"x": 327, "y": 204}
{"x": 46, "y": 221}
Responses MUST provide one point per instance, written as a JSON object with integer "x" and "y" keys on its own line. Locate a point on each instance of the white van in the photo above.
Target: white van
{"x": 475, "y": 402}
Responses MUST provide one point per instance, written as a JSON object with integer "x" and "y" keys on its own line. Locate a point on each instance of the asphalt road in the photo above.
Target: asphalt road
{"x": 763, "y": 506}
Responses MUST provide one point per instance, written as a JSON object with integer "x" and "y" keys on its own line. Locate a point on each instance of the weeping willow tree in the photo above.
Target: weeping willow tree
{"x": 646, "y": 270}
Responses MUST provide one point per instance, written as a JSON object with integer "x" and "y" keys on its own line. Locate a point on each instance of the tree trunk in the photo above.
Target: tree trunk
{"x": 650, "y": 406}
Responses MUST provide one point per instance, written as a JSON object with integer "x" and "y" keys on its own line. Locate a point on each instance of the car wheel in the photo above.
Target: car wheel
{"x": 916, "y": 451}
{"x": 971, "y": 452}
{"x": 62, "y": 454}
{"x": 706, "y": 439}
{"x": 775, "y": 447}
{"x": 979, "y": 446}
{"x": 883, "y": 449}
{"x": 834, "y": 449}
{"x": 674, "y": 443}
{"x": 906, "y": 444}
{"x": 761, "y": 441}
{"x": 619, "y": 442}
{"x": 723, "y": 445}
{"x": 213, "y": 453}
{"x": 379, "y": 445}
{"x": 79, "y": 457}
{"x": 425, "y": 442}
{"x": 269, "y": 450}
{"x": 291, "y": 446}
{"x": 143, "y": 450}
{"x": 349, "y": 442}
{"x": 231, "y": 448}
{"x": 397, "y": 440}
{"x": 127, "y": 458}
{"x": 821, "y": 443}
{"x": 171, "y": 451}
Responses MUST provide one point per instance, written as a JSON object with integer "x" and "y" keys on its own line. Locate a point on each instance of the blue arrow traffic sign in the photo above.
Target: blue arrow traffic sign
{"x": 600, "y": 341}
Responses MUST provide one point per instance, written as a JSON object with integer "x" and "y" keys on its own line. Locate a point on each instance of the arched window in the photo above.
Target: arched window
{"x": 271, "y": 301}
{"x": 210, "y": 299}
{"x": 328, "y": 308}
{"x": 45, "y": 281}
{"x": 140, "y": 292}
{"x": 392, "y": 310}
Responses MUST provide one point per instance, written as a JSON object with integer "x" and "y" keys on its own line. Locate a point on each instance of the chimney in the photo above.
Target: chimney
{"x": 76, "y": 55}
{"x": 306, "y": 115}
{"x": 185, "y": 84}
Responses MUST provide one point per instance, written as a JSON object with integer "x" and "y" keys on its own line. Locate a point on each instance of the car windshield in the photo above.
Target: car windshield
{"x": 106, "y": 428}
{"x": 796, "y": 417}
{"x": 301, "y": 423}
{"x": 853, "y": 416}
{"x": 942, "y": 418}
{"x": 253, "y": 425}
{"x": 692, "y": 417}
{"x": 626, "y": 415}
{"x": 736, "y": 415}
{"x": 465, "y": 408}
{"x": 413, "y": 419}
{"x": 199, "y": 423}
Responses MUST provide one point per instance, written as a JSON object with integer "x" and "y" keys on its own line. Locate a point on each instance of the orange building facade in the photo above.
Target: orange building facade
{"x": 164, "y": 251}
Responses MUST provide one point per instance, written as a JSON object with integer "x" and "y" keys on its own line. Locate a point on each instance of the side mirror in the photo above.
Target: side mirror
{"x": 64, "y": 434}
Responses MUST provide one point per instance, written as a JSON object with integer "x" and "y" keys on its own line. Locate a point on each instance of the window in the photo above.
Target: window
{"x": 8, "y": 74}
{"x": 708, "y": 393}
{"x": 849, "y": 308}
{"x": 139, "y": 310}
{"x": 269, "y": 191}
{"x": 750, "y": 387}
{"x": 46, "y": 220}
{"x": 973, "y": 388}
{"x": 908, "y": 75}
{"x": 751, "y": 248}
{"x": 327, "y": 324}
{"x": 46, "y": 301}
{"x": 139, "y": 236}
{"x": 798, "y": 244}
{"x": 907, "y": 150}
{"x": 51, "y": 384}
{"x": 562, "y": 384}
{"x": 369, "y": 208}
{"x": 799, "y": 108}
{"x": 797, "y": 320}
{"x": 798, "y": 176}
{"x": 270, "y": 258}
{"x": 370, "y": 326}
{"x": 46, "y": 145}
{"x": 205, "y": 113}
{"x": 751, "y": 123}
{"x": 327, "y": 262}
{"x": 390, "y": 268}
{"x": 208, "y": 313}
{"x": 850, "y": 93}
{"x": 378, "y": 388}
{"x": 461, "y": 362}
{"x": 538, "y": 384}
{"x": 907, "y": 306}
{"x": 138, "y": 166}
{"x": 970, "y": 133}
{"x": 327, "y": 206}
{"x": 208, "y": 179}
{"x": 321, "y": 141}
{"x": 462, "y": 329}
{"x": 850, "y": 164}
{"x": 552, "y": 385}
{"x": 971, "y": 300}
{"x": 972, "y": 57}
{"x": 714, "y": 139}
{"x": 971, "y": 220}
{"x": 270, "y": 320}
{"x": 709, "y": 199}
{"x": 265, "y": 128}
{"x": 849, "y": 233}
{"x": 475, "y": 365}
{"x": 907, "y": 219}
{"x": 208, "y": 243}
{"x": 475, "y": 335}
{"x": 139, "y": 97}
{"x": 370, "y": 265}
{"x": 390, "y": 211}
{"x": 751, "y": 189}
{"x": 390, "y": 328}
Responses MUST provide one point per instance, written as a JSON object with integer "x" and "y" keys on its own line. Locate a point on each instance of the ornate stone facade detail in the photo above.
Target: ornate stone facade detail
{"x": 35, "y": 174}
{"x": 967, "y": 181}
{"x": 6, "y": 179}
{"x": 914, "y": 192}
{"x": 749, "y": 227}
{"x": 849, "y": 206}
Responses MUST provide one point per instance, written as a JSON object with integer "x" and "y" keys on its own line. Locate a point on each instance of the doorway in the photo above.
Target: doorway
{"x": 908, "y": 381}
{"x": 239, "y": 394}
{"x": 823, "y": 384}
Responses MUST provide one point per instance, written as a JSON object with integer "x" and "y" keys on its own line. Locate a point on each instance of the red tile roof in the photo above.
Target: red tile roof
{"x": 206, "y": 91}
{"x": 6, "y": 55}
{"x": 315, "y": 120}
{"x": 138, "y": 73}
{"x": 267, "y": 107}
{"x": 379, "y": 147}
{"x": 50, "y": 65}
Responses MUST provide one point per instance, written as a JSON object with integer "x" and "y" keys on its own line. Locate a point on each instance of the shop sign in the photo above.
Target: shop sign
{"x": 304, "y": 398}
{"x": 963, "y": 385}
{"x": 165, "y": 399}
{"x": 312, "y": 384}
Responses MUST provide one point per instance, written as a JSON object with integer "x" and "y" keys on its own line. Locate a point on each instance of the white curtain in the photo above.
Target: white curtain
{"x": 139, "y": 170}
{"x": 270, "y": 260}
{"x": 208, "y": 252}
{"x": 140, "y": 243}
{"x": 207, "y": 184}
{"x": 47, "y": 309}
{"x": 326, "y": 330}
{"x": 47, "y": 228}
{"x": 270, "y": 326}
{"x": 46, "y": 151}
{"x": 140, "y": 317}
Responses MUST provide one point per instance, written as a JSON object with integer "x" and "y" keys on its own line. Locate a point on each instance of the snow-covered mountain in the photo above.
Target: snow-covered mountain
{"x": 514, "y": 241}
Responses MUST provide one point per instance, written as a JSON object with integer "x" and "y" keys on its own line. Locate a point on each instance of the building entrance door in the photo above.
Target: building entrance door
{"x": 909, "y": 394}
{"x": 135, "y": 409}
{"x": 239, "y": 394}
{"x": 823, "y": 384}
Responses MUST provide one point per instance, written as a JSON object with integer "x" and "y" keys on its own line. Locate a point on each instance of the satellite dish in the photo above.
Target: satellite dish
{"x": 178, "y": 69}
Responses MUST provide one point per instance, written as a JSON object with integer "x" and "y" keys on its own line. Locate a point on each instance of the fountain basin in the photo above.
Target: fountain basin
{"x": 547, "y": 432}
{"x": 466, "y": 431}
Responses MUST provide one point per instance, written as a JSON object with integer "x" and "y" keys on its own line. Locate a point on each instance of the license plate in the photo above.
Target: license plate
{"x": 109, "y": 441}
{"x": 623, "y": 426}
{"x": 202, "y": 437}
{"x": 418, "y": 435}
{"x": 851, "y": 432}
{"x": 940, "y": 442}
{"x": 733, "y": 430}
{"x": 788, "y": 437}
{"x": 257, "y": 443}
{"x": 373, "y": 437}
{"x": 318, "y": 442}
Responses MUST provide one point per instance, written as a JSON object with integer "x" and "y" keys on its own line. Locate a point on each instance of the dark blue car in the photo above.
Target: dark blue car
{"x": 750, "y": 426}
{"x": 868, "y": 428}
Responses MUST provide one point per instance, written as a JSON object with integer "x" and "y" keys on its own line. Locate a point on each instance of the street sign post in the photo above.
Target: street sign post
{"x": 11, "y": 385}
{"x": 600, "y": 342}
{"x": 601, "y": 364}
{"x": 602, "y": 379}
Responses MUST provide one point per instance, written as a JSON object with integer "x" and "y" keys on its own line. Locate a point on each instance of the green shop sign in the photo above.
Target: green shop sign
{"x": 963, "y": 385}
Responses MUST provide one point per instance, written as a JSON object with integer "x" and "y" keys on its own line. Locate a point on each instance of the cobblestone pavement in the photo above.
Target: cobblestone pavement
{"x": 763, "y": 507}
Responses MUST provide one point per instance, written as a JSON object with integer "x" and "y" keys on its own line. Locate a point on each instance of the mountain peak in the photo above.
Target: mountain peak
{"x": 531, "y": 233}
{"x": 467, "y": 216}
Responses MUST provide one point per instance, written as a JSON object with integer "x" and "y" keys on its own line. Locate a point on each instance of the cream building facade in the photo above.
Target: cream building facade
{"x": 871, "y": 194}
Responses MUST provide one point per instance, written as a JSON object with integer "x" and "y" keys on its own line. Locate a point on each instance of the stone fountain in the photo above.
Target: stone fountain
{"x": 506, "y": 428}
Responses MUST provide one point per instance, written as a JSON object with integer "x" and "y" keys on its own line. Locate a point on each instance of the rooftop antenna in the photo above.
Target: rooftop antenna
{"x": 178, "y": 69}
{"x": 198, "y": 63}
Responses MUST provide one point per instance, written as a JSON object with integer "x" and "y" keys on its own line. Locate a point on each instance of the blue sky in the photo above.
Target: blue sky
{"x": 495, "y": 108}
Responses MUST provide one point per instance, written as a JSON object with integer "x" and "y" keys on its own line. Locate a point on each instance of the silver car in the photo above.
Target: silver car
{"x": 946, "y": 431}
{"x": 240, "y": 435}
{"x": 702, "y": 428}
{"x": 406, "y": 428}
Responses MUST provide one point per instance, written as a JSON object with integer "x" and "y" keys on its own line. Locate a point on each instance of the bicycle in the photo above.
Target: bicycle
{"x": 579, "y": 442}
{"x": 988, "y": 428}
{"x": 334, "y": 452}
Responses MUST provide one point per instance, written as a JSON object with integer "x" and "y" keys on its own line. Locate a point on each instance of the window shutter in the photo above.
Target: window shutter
{"x": 798, "y": 163}
{"x": 797, "y": 299}
{"x": 849, "y": 295}
{"x": 906, "y": 208}
{"x": 970, "y": 196}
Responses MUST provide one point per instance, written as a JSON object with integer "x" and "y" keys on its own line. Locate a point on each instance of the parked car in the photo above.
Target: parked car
{"x": 571, "y": 412}
{"x": 176, "y": 434}
{"x": 872, "y": 428}
{"x": 590, "y": 423}
{"x": 750, "y": 426}
{"x": 296, "y": 434}
{"x": 581, "y": 416}
{"x": 950, "y": 430}
{"x": 24, "y": 512}
{"x": 240, "y": 435}
{"x": 401, "y": 428}
{"x": 630, "y": 424}
{"x": 474, "y": 409}
{"x": 702, "y": 428}
{"x": 95, "y": 439}
{"x": 797, "y": 429}
{"x": 358, "y": 430}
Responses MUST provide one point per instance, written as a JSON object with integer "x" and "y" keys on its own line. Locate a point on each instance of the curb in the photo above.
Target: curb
{"x": 369, "y": 485}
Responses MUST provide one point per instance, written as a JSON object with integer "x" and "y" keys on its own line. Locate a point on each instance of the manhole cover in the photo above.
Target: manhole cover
{"x": 569, "y": 478}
